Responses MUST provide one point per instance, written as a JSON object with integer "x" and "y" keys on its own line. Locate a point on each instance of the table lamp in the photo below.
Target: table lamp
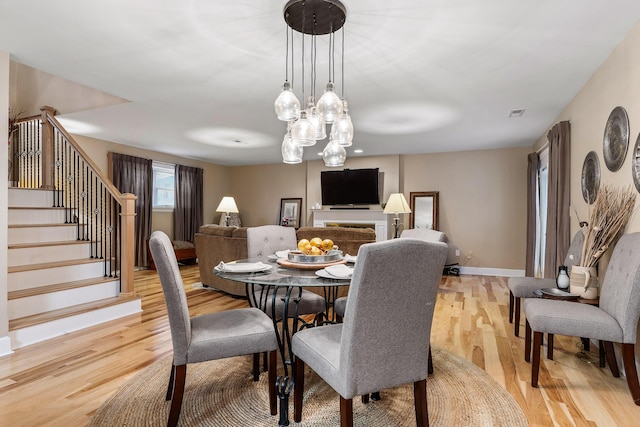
{"x": 227, "y": 205}
{"x": 396, "y": 204}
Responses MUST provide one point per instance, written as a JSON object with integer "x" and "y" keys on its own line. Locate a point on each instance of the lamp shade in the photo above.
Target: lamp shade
{"x": 227, "y": 205}
{"x": 397, "y": 204}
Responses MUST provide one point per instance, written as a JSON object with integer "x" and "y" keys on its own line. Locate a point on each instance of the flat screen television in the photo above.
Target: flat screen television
{"x": 350, "y": 187}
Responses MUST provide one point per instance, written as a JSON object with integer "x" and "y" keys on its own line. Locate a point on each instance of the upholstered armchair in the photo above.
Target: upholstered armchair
{"x": 209, "y": 336}
{"x": 614, "y": 320}
{"x": 524, "y": 287}
{"x": 389, "y": 312}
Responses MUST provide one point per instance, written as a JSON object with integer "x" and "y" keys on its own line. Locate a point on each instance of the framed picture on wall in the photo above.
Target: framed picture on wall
{"x": 424, "y": 209}
{"x": 290, "y": 212}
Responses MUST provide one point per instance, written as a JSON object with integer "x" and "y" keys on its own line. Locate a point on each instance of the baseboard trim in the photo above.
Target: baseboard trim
{"x": 5, "y": 346}
{"x": 482, "y": 271}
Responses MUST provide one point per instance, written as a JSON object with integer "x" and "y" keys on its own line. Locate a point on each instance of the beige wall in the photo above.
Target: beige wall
{"x": 615, "y": 83}
{"x": 482, "y": 198}
{"x": 4, "y": 162}
{"x": 258, "y": 190}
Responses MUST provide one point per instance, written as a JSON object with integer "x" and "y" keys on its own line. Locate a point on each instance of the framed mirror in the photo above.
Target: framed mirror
{"x": 424, "y": 209}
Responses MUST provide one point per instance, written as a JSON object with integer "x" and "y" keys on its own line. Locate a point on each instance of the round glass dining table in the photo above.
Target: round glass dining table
{"x": 286, "y": 283}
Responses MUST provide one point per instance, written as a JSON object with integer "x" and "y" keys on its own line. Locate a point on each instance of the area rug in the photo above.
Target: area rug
{"x": 222, "y": 393}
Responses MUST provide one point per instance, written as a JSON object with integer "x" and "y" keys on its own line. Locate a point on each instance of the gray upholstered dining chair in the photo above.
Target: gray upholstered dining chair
{"x": 209, "y": 336}
{"x": 524, "y": 287}
{"x": 614, "y": 320}
{"x": 265, "y": 240}
{"x": 424, "y": 234}
{"x": 389, "y": 312}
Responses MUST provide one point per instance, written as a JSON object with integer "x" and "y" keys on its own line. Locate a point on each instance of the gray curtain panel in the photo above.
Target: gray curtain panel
{"x": 532, "y": 218}
{"x": 558, "y": 205}
{"x": 135, "y": 175}
{"x": 187, "y": 212}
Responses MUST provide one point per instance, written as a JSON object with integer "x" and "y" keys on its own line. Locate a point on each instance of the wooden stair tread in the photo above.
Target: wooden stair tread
{"x": 23, "y": 293}
{"x": 43, "y": 208}
{"x": 55, "y": 224}
{"x": 53, "y": 264}
{"x": 43, "y": 244}
{"x": 49, "y": 316}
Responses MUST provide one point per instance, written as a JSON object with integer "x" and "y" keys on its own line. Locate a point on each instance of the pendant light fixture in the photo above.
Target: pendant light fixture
{"x": 312, "y": 19}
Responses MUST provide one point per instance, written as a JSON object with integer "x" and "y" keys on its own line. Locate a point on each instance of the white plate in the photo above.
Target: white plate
{"x": 245, "y": 267}
{"x": 325, "y": 275}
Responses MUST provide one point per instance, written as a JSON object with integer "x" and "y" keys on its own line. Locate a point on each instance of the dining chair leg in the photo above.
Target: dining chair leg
{"x": 549, "y": 346}
{"x": 516, "y": 317}
{"x": 298, "y": 389}
{"x": 420, "y": 402}
{"x": 170, "y": 387}
{"x": 527, "y": 342}
{"x": 629, "y": 361}
{"x": 601, "y": 354}
{"x": 265, "y": 361}
{"x": 273, "y": 375}
{"x": 610, "y": 355}
{"x": 256, "y": 366}
{"x": 365, "y": 398}
{"x": 535, "y": 365}
{"x": 178, "y": 392}
{"x": 511, "y": 298}
{"x": 346, "y": 412}
{"x": 430, "y": 362}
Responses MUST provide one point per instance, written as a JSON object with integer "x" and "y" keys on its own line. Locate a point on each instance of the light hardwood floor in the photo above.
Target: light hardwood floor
{"x": 61, "y": 382}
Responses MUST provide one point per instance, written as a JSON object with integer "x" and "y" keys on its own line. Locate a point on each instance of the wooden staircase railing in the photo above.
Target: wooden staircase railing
{"x": 46, "y": 156}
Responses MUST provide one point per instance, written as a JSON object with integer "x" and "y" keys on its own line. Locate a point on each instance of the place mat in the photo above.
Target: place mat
{"x": 222, "y": 393}
{"x": 308, "y": 266}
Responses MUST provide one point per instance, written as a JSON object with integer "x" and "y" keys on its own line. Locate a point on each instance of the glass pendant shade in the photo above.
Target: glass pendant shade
{"x": 302, "y": 131}
{"x": 319, "y": 127}
{"x": 329, "y": 105}
{"x": 342, "y": 129}
{"x": 291, "y": 151}
{"x": 334, "y": 154}
{"x": 287, "y": 105}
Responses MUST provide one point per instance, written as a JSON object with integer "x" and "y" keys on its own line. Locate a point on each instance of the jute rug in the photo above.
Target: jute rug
{"x": 221, "y": 393}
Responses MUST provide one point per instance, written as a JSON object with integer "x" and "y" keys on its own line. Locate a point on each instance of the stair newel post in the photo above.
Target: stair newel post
{"x": 48, "y": 158}
{"x": 127, "y": 261}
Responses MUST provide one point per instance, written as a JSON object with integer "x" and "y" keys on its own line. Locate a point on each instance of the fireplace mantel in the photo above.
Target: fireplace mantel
{"x": 375, "y": 219}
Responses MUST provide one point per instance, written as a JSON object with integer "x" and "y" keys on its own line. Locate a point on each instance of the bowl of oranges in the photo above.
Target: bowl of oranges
{"x": 316, "y": 250}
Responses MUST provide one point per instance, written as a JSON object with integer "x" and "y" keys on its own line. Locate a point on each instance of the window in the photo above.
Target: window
{"x": 163, "y": 185}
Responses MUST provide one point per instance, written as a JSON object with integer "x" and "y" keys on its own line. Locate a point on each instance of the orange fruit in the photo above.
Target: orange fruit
{"x": 327, "y": 245}
{"x": 315, "y": 250}
{"x": 302, "y": 244}
{"x": 316, "y": 241}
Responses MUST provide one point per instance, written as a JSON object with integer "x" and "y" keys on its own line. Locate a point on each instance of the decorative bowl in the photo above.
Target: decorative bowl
{"x": 297, "y": 256}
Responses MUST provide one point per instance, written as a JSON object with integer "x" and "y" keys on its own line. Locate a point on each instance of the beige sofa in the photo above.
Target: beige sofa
{"x": 216, "y": 243}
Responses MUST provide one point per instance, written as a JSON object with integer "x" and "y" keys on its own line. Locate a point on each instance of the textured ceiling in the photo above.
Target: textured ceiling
{"x": 430, "y": 76}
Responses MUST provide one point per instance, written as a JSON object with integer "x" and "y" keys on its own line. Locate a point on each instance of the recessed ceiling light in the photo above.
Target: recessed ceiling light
{"x": 516, "y": 113}
{"x": 358, "y": 150}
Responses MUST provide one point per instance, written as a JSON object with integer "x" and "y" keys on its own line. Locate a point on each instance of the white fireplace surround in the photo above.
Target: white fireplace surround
{"x": 379, "y": 221}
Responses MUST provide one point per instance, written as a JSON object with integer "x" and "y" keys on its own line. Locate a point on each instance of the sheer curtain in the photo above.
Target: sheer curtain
{"x": 187, "y": 213}
{"x": 559, "y": 198}
{"x": 532, "y": 213}
{"x": 135, "y": 175}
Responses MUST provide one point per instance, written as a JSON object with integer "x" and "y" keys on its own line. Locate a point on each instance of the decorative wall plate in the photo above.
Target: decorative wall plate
{"x": 616, "y": 139}
{"x": 635, "y": 164}
{"x": 590, "y": 177}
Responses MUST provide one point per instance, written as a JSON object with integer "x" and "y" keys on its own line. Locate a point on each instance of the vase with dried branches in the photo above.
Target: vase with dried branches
{"x": 608, "y": 218}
